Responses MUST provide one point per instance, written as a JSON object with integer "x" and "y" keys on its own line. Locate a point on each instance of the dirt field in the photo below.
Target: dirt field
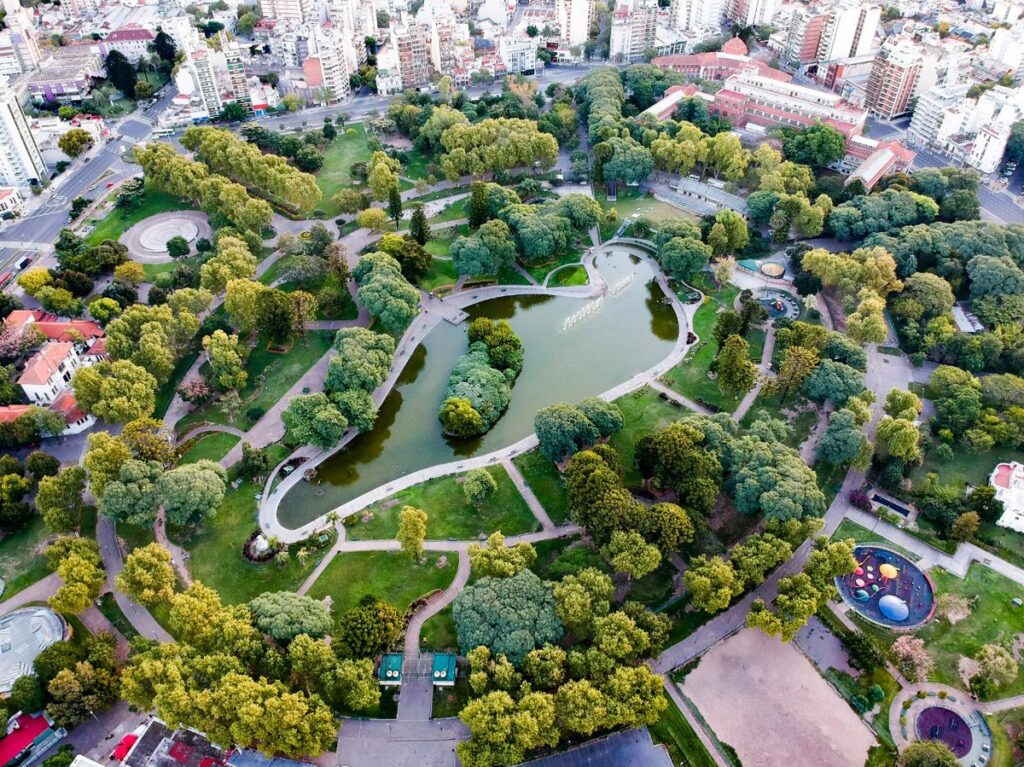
{"x": 763, "y": 698}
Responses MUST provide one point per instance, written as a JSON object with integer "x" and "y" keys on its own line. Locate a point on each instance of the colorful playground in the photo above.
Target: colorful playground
{"x": 888, "y": 589}
{"x": 945, "y": 715}
{"x": 945, "y": 726}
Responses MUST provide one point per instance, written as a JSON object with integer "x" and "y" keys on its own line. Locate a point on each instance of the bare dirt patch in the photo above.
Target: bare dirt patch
{"x": 789, "y": 714}
{"x": 968, "y": 668}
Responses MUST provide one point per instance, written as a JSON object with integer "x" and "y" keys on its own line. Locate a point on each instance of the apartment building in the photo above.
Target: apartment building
{"x": 633, "y": 30}
{"x": 412, "y": 45}
{"x": 893, "y": 78}
{"x": 696, "y": 15}
{"x": 237, "y": 80}
{"x": 20, "y": 160}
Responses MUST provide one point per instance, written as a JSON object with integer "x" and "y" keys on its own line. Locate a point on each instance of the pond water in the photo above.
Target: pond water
{"x": 630, "y": 330}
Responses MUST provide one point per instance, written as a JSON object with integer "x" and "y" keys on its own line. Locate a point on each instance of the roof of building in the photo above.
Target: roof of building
{"x": 28, "y": 729}
{"x": 20, "y": 317}
{"x": 390, "y": 671}
{"x": 9, "y": 413}
{"x": 126, "y": 34}
{"x": 736, "y": 47}
{"x": 44, "y": 363}
{"x": 444, "y": 668}
{"x": 67, "y": 406}
{"x": 1008, "y": 480}
{"x": 245, "y": 757}
{"x": 160, "y": 746}
{"x": 57, "y": 330}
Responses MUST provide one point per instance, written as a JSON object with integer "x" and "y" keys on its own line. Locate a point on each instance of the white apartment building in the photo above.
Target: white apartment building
{"x": 326, "y": 66}
{"x": 237, "y": 80}
{"x": 205, "y": 75}
{"x": 574, "y": 18}
{"x": 287, "y": 11}
{"x": 634, "y": 27}
{"x": 20, "y": 160}
{"x": 851, "y": 30}
{"x": 750, "y": 13}
{"x": 48, "y": 372}
{"x": 443, "y": 37}
{"x": 517, "y": 54}
{"x": 1006, "y": 48}
{"x": 696, "y": 15}
{"x": 971, "y": 131}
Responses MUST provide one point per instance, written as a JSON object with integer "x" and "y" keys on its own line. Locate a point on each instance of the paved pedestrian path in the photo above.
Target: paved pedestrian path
{"x": 528, "y": 495}
{"x": 675, "y": 396}
{"x": 763, "y": 369}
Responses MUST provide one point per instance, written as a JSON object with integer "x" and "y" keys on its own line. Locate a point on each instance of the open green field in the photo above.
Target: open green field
{"x": 545, "y": 480}
{"x": 389, "y": 575}
{"x": 644, "y": 412}
{"x": 439, "y": 632}
{"x": 993, "y": 620}
{"x": 680, "y": 739}
{"x": 119, "y": 222}
{"x": 441, "y": 272}
{"x": 1008, "y": 544}
{"x": 347, "y": 149}
{"x": 21, "y": 557}
{"x": 280, "y": 372}
{"x": 629, "y": 202}
{"x": 216, "y": 552}
{"x": 209, "y": 447}
{"x": 690, "y": 377}
{"x": 449, "y": 515}
{"x": 968, "y": 468}
{"x": 568, "y": 275}
{"x": 540, "y": 272}
{"x": 860, "y": 534}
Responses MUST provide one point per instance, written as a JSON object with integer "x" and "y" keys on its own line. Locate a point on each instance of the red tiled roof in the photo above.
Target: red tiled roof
{"x": 19, "y": 317}
{"x": 61, "y": 331}
{"x": 1003, "y": 473}
{"x": 128, "y": 34}
{"x": 736, "y": 47}
{"x": 45, "y": 362}
{"x": 29, "y": 727}
{"x": 68, "y": 408}
{"x": 10, "y": 412}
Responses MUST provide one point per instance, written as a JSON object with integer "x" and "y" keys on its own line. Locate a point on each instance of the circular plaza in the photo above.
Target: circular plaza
{"x": 888, "y": 589}
{"x": 24, "y": 634}
{"x": 147, "y": 240}
{"x": 945, "y": 715}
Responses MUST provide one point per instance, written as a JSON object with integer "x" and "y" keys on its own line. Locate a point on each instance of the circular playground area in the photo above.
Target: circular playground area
{"x": 779, "y": 303}
{"x": 147, "y": 240}
{"x": 945, "y": 726}
{"x": 24, "y": 634}
{"x": 888, "y": 589}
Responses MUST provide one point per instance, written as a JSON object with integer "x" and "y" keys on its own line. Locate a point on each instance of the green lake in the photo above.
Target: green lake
{"x": 630, "y": 330}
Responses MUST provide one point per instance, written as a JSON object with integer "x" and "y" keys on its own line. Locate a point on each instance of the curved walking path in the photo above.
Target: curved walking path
{"x": 433, "y": 311}
{"x": 208, "y": 428}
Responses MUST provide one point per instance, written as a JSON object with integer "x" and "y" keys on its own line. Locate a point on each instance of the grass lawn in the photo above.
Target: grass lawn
{"x": 449, "y": 514}
{"x": 690, "y": 377}
{"x": 21, "y": 556}
{"x": 630, "y": 201}
{"x": 654, "y": 589}
{"x": 389, "y": 575}
{"x": 441, "y": 272}
{"x": 439, "y": 632}
{"x": 1007, "y": 726}
{"x": 540, "y": 271}
{"x": 544, "y": 478}
{"x": 152, "y": 271}
{"x": 280, "y": 372}
{"x": 830, "y": 479}
{"x": 967, "y": 468}
{"x": 682, "y": 742}
{"x": 449, "y": 701}
{"x": 165, "y": 393}
{"x": 118, "y": 222}
{"x": 993, "y": 620}
{"x": 1008, "y": 544}
{"x": 210, "y": 447}
{"x": 860, "y": 534}
{"x": 416, "y": 163}
{"x": 568, "y": 275}
{"x": 276, "y": 269}
{"x": 454, "y": 212}
{"x": 347, "y": 149}
{"x": 216, "y": 552}
{"x": 644, "y": 412}
{"x": 112, "y": 610}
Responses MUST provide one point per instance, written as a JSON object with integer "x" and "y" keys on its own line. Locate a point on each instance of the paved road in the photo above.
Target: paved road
{"x": 999, "y": 205}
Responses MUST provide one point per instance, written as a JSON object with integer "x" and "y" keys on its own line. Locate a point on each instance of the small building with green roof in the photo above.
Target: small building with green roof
{"x": 390, "y": 671}
{"x": 443, "y": 672}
